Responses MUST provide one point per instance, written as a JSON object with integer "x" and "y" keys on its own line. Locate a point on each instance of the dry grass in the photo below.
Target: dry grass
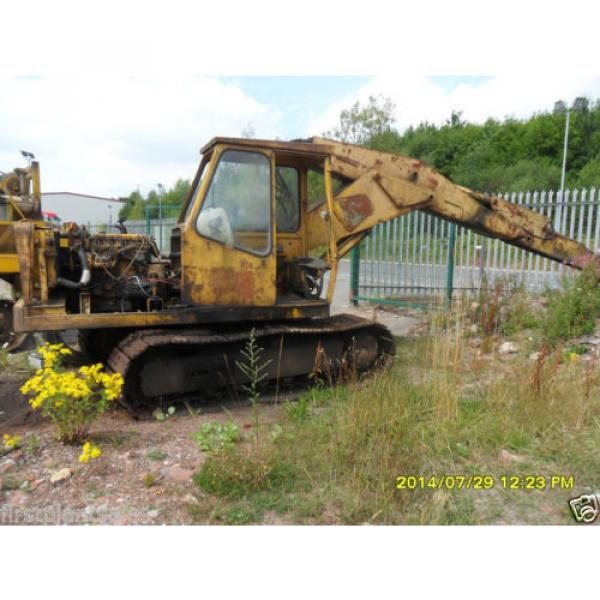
{"x": 438, "y": 410}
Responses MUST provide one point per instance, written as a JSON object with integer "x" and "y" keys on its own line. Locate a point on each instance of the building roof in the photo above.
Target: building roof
{"x": 83, "y": 196}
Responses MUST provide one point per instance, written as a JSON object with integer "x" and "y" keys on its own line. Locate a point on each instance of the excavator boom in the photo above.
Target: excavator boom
{"x": 385, "y": 186}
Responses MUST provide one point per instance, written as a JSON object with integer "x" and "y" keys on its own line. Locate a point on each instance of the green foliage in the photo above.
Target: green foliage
{"x": 149, "y": 479}
{"x": 359, "y": 123}
{"x": 232, "y": 475}
{"x": 255, "y": 369}
{"x": 518, "y": 313}
{"x": 32, "y": 445}
{"x": 299, "y": 410}
{"x": 157, "y": 454}
{"x": 589, "y": 176}
{"x": 3, "y": 359}
{"x": 159, "y": 415}
{"x": 171, "y": 200}
{"x": 216, "y": 436}
{"x": 496, "y": 156}
{"x": 572, "y": 311}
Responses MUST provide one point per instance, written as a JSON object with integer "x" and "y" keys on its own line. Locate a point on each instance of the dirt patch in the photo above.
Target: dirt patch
{"x": 144, "y": 475}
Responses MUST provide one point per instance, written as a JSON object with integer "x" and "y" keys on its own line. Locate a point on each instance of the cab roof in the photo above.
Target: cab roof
{"x": 301, "y": 148}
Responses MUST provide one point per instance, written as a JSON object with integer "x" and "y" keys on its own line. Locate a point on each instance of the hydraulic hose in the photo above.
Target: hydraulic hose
{"x": 86, "y": 275}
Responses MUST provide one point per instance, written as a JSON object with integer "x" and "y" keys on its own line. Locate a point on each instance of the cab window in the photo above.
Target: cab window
{"x": 237, "y": 208}
{"x": 287, "y": 184}
{"x": 316, "y": 187}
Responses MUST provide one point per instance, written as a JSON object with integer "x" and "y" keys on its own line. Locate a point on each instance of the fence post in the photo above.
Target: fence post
{"x": 354, "y": 274}
{"x": 147, "y": 215}
{"x": 450, "y": 272}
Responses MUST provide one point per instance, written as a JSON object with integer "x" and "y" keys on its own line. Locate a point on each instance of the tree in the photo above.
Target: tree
{"x": 560, "y": 108}
{"x": 361, "y": 123}
{"x": 456, "y": 119}
{"x": 248, "y": 131}
{"x": 171, "y": 200}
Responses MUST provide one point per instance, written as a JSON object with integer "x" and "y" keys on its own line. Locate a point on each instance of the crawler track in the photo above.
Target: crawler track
{"x": 160, "y": 364}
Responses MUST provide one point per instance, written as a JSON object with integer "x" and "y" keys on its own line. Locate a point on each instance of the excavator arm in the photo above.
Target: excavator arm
{"x": 383, "y": 186}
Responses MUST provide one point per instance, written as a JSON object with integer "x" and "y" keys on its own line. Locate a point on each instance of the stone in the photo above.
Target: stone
{"x": 177, "y": 473}
{"x": 7, "y": 466}
{"x": 508, "y": 348}
{"x": 17, "y": 498}
{"x": 102, "y": 509}
{"x": 35, "y": 484}
{"x": 60, "y": 475}
{"x": 154, "y": 514}
{"x": 535, "y": 356}
{"x": 509, "y": 457}
{"x": 475, "y": 342}
{"x": 190, "y": 499}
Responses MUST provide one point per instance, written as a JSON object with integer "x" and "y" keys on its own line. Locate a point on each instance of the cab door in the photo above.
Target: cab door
{"x": 228, "y": 250}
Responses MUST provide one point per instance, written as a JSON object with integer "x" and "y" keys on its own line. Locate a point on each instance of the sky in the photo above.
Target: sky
{"x": 108, "y": 135}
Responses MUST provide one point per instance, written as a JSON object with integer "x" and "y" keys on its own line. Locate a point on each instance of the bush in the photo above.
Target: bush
{"x": 71, "y": 399}
{"x": 573, "y": 310}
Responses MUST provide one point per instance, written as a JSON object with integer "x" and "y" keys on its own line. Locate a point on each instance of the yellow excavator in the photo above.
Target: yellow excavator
{"x": 263, "y": 223}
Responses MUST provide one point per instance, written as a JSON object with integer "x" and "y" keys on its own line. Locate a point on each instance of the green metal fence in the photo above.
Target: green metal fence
{"x": 419, "y": 259}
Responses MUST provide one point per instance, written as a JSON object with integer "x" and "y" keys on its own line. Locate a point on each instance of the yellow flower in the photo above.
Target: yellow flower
{"x": 88, "y": 452}
{"x": 573, "y": 356}
{"x": 10, "y": 441}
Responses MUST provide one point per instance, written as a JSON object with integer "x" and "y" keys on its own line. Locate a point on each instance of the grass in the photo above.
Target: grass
{"x": 157, "y": 454}
{"x": 3, "y": 359}
{"x": 442, "y": 408}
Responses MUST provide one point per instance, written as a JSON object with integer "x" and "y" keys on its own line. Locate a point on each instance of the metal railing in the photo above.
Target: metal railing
{"x": 420, "y": 257}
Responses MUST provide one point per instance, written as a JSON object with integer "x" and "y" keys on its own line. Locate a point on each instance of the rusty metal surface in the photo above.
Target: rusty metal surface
{"x": 410, "y": 184}
{"x": 48, "y": 318}
{"x": 129, "y": 358}
{"x": 355, "y": 210}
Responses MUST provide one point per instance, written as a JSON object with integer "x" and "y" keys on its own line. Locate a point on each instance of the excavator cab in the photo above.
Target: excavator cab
{"x": 245, "y": 240}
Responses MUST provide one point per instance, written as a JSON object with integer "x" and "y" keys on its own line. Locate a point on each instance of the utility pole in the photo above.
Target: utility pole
{"x": 564, "y": 164}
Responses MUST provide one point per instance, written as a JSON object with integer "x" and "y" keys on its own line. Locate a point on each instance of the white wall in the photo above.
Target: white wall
{"x": 80, "y": 208}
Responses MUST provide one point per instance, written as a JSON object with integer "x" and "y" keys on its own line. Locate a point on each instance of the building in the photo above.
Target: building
{"x": 82, "y": 208}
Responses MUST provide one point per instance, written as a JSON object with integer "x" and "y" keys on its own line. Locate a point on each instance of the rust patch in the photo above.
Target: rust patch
{"x": 355, "y": 209}
{"x": 226, "y": 280}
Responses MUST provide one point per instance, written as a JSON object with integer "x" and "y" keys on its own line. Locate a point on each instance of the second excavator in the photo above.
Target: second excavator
{"x": 263, "y": 223}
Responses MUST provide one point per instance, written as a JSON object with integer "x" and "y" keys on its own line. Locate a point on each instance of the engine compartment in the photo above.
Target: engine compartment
{"x": 126, "y": 273}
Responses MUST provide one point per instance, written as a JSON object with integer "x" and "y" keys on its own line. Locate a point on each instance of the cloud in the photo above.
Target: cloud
{"x": 419, "y": 99}
{"x": 107, "y": 135}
